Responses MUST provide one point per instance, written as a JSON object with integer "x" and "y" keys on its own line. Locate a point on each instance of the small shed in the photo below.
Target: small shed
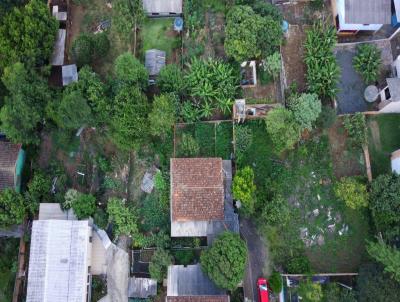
{"x": 142, "y": 288}
{"x": 154, "y": 61}
{"x": 162, "y": 8}
{"x": 12, "y": 159}
{"x": 395, "y": 161}
{"x": 58, "y": 14}
{"x": 69, "y": 74}
{"x": 390, "y": 96}
{"x": 57, "y": 58}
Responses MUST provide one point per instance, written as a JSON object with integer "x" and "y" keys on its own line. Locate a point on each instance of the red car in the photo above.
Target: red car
{"x": 263, "y": 291}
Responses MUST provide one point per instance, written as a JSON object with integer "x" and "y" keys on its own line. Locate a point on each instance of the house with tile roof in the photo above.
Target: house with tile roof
{"x": 12, "y": 159}
{"x": 201, "y": 202}
{"x": 190, "y": 284}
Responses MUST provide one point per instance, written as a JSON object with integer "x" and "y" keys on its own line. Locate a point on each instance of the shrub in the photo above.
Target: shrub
{"x": 352, "y": 191}
{"x": 356, "y": 127}
{"x": 101, "y": 45}
{"x": 84, "y": 205}
{"x": 282, "y": 128}
{"x": 130, "y": 71}
{"x": 225, "y": 261}
{"x": 12, "y": 208}
{"x": 162, "y": 116}
{"x": 243, "y": 138}
{"x": 275, "y": 212}
{"x": 188, "y": 146}
{"x": 310, "y": 292}
{"x": 244, "y": 189}
{"x": 322, "y": 68}
{"x": 189, "y": 112}
{"x": 184, "y": 257}
{"x": 83, "y": 49}
{"x": 273, "y": 64}
{"x": 124, "y": 218}
{"x": 327, "y": 117}
{"x": 299, "y": 265}
{"x": 159, "y": 265}
{"x": 69, "y": 198}
{"x": 170, "y": 79}
{"x": 388, "y": 256}
{"x": 306, "y": 109}
{"x": 275, "y": 281}
{"x": 367, "y": 62}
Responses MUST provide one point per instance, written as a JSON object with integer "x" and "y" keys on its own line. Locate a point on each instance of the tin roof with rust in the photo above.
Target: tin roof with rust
{"x": 8, "y": 159}
{"x": 197, "y": 189}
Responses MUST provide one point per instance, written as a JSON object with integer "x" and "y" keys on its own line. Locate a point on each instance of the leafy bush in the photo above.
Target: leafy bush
{"x": 327, "y": 117}
{"x": 367, "y": 62}
{"x": 299, "y": 265}
{"x": 273, "y": 64}
{"x": 170, "y": 79}
{"x": 282, "y": 128}
{"x": 275, "y": 281}
{"x": 159, "y": 264}
{"x": 212, "y": 84}
{"x": 356, "y": 127}
{"x": 162, "y": 116}
{"x": 275, "y": 212}
{"x": 84, "y": 205}
{"x": 13, "y": 208}
{"x": 83, "y": 49}
{"x": 322, "y": 68}
{"x": 188, "y": 146}
{"x": 243, "y": 138}
{"x": 184, "y": 257}
{"x": 388, "y": 256}
{"x": 38, "y": 189}
{"x": 306, "y": 109}
{"x": 352, "y": 191}
{"x": 100, "y": 218}
{"x": 189, "y": 112}
{"x": 130, "y": 71}
{"x": 124, "y": 219}
{"x": 310, "y": 292}
{"x": 154, "y": 213}
{"x": 225, "y": 261}
{"x": 244, "y": 188}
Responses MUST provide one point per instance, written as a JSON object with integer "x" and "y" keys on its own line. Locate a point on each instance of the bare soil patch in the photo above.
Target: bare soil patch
{"x": 376, "y": 135}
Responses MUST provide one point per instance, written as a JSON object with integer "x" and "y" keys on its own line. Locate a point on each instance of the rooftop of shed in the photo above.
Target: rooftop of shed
{"x": 8, "y": 158}
{"x": 368, "y": 11}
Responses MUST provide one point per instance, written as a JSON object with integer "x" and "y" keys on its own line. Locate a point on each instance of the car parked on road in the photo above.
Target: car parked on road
{"x": 263, "y": 290}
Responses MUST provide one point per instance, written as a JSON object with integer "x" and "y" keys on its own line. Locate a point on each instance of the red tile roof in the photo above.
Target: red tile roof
{"x": 8, "y": 158}
{"x": 197, "y": 189}
{"x": 221, "y": 298}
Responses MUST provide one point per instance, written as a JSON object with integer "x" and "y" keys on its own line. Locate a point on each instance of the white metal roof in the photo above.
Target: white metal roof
{"x": 58, "y": 263}
{"x": 396, "y": 162}
{"x": 163, "y": 7}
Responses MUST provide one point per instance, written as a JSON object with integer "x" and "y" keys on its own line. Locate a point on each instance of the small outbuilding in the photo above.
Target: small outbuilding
{"x": 142, "y": 288}
{"x": 395, "y": 161}
{"x": 162, "y": 8}
{"x": 12, "y": 159}
{"x": 390, "y": 96}
{"x": 154, "y": 61}
{"x": 69, "y": 74}
{"x": 57, "y": 58}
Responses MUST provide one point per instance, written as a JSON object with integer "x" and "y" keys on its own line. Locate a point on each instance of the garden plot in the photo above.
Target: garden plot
{"x": 204, "y": 140}
{"x": 158, "y": 33}
{"x": 383, "y": 139}
{"x": 320, "y": 224}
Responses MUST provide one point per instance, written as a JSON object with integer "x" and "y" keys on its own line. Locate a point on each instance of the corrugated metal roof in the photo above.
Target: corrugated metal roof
{"x": 162, "y": 7}
{"x": 394, "y": 89}
{"x": 367, "y": 11}
{"x": 57, "y": 58}
{"x": 142, "y": 288}
{"x": 58, "y": 266}
{"x": 8, "y": 158}
{"x": 154, "y": 61}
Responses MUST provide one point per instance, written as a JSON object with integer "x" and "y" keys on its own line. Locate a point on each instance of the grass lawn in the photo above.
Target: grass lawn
{"x": 305, "y": 178}
{"x": 383, "y": 139}
{"x": 213, "y": 139}
{"x": 159, "y": 34}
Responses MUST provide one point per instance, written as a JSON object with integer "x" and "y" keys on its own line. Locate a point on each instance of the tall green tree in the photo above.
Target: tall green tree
{"x": 163, "y": 115}
{"x": 129, "y": 123}
{"x": 72, "y": 112}
{"x": 130, "y": 71}
{"x": 306, "y": 109}
{"x": 158, "y": 267}
{"x": 23, "y": 108}
{"x": 12, "y": 208}
{"x": 282, "y": 128}
{"x": 27, "y": 35}
{"x": 388, "y": 256}
{"x": 385, "y": 205}
{"x": 225, "y": 261}
{"x": 127, "y": 13}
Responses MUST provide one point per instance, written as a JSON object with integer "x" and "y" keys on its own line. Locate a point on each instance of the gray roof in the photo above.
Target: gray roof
{"x": 69, "y": 74}
{"x": 48, "y": 211}
{"x": 394, "y": 89}
{"x": 190, "y": 281}
{"x": 154, "y": 61}
{"x": 57, "y": 58}
{"x": 162, "y": 7}
{"x": 58, "y": 261}
{"x": 142, "y": 288}
{"x": 368, "y": 11}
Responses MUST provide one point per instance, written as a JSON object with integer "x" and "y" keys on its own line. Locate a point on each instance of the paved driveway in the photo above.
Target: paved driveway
{"x": 258, "y": 258}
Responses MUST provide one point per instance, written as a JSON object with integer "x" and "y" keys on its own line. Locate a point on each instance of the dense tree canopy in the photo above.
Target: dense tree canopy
{"x": 225, "y": 261}
{"x": 27, "y": 35}
{"x": 24, "y": 106}
{"x": 356, "y": 127}
{"x": 306, "y": 108}
{"x": 84, "y": 205}
{"x": 130, "y": 71}
{"x": 129, "y": 123}
{"x": 87, "y": 47}
{"x": 124, "y": 219}
{"x": 158, "y": 267}
{"x": 385, "y": 205}
{"x": 12, "y": 208}
{"x": 127, "y": 13}
{"x": 388, "y": 256}
{"x": 282, "y": 128}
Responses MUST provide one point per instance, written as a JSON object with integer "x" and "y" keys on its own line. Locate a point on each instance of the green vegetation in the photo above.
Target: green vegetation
{"x": 224, "y": 262}
{"x": 159, "y": 265}
{"x": 306, "y": 109}
{"x": 88, "y": 47}
{"x": 356, "y": 128}
{"x": 322, "y": 69}
{"x": 13, "y": 208}
{"x": 383, "y": 139}
{"x": 388, "y": 256}
{"x": 123, "y": 217}
{"x": 310, "y": 292}
{"x": 8, "y": 267}
{"x": 352, "y": 191}
{"x": 367, "y": 62}
{"x": 158, "y": 34}
{"x": 243, "y": 190}
{"x": 163, "y": 115}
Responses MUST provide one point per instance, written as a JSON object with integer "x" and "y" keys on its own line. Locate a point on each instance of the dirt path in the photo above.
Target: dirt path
{"x": 258, "y": 260}
{"x": 376, "y": 136}
{"x": 76, "y": 14}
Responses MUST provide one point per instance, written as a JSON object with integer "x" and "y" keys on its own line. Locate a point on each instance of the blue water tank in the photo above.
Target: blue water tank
{"x": 285, "y": 26}
{"x": 178, "y": 24}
